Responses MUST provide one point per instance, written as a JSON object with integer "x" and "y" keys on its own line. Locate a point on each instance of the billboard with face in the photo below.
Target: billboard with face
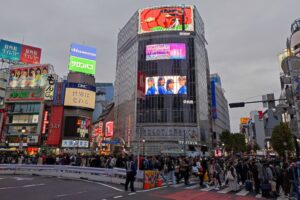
{"x": 166, "y": 19}
{"x": 165, "y": 85}
{"x": 165, "y": 51}
{"x": 29, "y": 77}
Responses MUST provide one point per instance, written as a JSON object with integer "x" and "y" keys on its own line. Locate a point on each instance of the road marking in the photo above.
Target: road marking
{"x": 62, "y": 195}
{"x": 21, "y": 179}
{"x": 152, "y": 189}
{"x": 132, "y": 193}
{"x": 258, "y": 196}
{"x": 117, "y": 197}
{"x": 207, "y": 189}
{"x": 33, "y": 185}
{"x": 192, "y": 187}
{"x": 224, "y": 191}
{"x": 104, "y": 185}
{"x": 4, "y": 188}
{"x": 178, "y": 185}
{"x": 243, "y": 192}
{"x": 1, "y": 178}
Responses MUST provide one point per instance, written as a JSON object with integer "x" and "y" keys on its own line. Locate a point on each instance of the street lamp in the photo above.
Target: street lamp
{"x": 144, "y": 141}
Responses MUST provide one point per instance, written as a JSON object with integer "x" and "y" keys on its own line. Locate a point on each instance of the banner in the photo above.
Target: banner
{"x": 16, "y": 52}
{"x": 54, "y": 133}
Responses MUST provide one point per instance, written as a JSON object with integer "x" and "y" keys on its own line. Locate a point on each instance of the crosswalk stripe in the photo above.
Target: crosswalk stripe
{"x": 192, "y": 187}
{"x": 224, "y": 191}
{"x": 258, "y": 196}
{"x": 178, "y": 185}
{"x": 243, "y": 192}
{"x": 207, "y": 189}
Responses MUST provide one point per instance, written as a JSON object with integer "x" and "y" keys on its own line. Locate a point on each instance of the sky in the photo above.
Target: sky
{"x": 244, "y": 37}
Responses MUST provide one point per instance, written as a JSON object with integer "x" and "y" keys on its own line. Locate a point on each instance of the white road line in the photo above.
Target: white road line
{"x": 192, "y": 187}
{"x": 152, "y": 189}
{"x": 117, "y": 197}
{"x": 5, "y": 188}
{"x": 104, "y": 185}
{"x": 178, "y": 185}
{"x": 132, "y": 193}
{"x": 207, "y": 189}
{"x": 258, "y": 196}
{"x": 1, "y": 178}
{"x": 243, "y": 192}
{"x": 33, "y": 185}
{"x": 61, "y": 195}
{"x": 224, "y": 191}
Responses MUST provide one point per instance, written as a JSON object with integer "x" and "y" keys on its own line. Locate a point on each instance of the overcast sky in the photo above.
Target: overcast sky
{"x": 244, "y": 37}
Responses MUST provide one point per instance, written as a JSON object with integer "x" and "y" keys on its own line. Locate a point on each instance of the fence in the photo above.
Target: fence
{"x": 115, "y": 175}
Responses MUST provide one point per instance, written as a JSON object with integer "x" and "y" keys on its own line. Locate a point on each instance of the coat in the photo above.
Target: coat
{"x": 232, "y": 180}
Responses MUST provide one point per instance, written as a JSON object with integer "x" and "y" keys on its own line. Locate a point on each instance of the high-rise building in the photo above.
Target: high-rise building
{"x": 295, "y": 37}
{"x": 162, "y": 82}
{"x": 104, "y": 96}
{"x": 219, "y": 105}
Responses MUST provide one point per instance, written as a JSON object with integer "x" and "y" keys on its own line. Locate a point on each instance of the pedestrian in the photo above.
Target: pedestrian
{"x": 231, "y": 177}
{"x": 130, "y": 174}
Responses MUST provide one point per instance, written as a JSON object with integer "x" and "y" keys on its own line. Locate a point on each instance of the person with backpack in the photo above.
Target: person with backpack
{"x": 130, "y": 174}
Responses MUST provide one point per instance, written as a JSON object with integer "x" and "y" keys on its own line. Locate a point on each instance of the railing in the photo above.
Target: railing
{"x": 114, "y": 175}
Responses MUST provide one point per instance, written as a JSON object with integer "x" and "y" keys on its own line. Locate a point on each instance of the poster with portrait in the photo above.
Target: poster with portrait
{"x": 166, "y": 85}
{"x": 29, "y": 77}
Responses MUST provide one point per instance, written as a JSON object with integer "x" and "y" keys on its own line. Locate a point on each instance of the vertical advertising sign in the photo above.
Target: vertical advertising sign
{"x": 82, "y": 59}
{"x": 109, "y": 130}
{"x": 55, "y": 123}
{"x": 10, "y": 50}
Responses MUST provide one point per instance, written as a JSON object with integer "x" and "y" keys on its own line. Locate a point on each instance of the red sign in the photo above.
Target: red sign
{"x": 45, "y": 122}
{"x": 54, "y": 133}
{"x": 109, "y": 131}
{"x": 30, "y": 55}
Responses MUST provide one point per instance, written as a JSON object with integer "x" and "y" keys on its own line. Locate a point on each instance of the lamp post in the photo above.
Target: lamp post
{"x": 144, "y": 141}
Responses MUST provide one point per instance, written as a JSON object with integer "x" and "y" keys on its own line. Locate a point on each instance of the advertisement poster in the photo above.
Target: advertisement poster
{"x": 166, "y": 19}
{"x": 10, "y": 50}
{"x": 80, "y": 98}
{"x": 16, "y": 52}
{"x": 30, "y": 55}
{"x": 165, "y": 51}
{"x": 109, "y": 130}
{"x": 28, "y": 77}
{"x": 82, "y": 59}
{"x": 165, "y": 85}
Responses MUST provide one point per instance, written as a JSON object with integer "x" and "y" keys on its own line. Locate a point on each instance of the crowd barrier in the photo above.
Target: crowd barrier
{"x": 114, "y": 175}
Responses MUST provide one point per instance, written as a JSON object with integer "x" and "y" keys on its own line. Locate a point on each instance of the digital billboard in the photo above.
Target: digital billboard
{"x": 166, "y": 19}
{"x": 82, "y": 59}
{"x": 165, "y": 85}
{"x": 80, "y": 98}
{"x": 29, "y": 77}
{"x": 19, "y": 53}
{"x": 165, "y": 51}
{"x": 77, "y": 127}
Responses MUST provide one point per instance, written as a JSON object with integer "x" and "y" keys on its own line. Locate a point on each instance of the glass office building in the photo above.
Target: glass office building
{"x": 162, "y": 94}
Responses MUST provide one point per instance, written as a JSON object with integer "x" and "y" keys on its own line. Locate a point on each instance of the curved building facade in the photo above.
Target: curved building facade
{"x": 162, "y": 82}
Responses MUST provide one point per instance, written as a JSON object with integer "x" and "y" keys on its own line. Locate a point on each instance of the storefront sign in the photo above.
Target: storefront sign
{"x": 188, "y": 142}
{"x": 59, "y": 93}
{"x": 109, "y": 130}
{"x": 49, "y": 90}
{"x": 17, "y": 144}
{"x": 45, "y": 122}
{"x": 80, "y": 98}
{"x": 54, "y": 133}
{"x": 75, "y": 143}
{"x": 33, "y": 94}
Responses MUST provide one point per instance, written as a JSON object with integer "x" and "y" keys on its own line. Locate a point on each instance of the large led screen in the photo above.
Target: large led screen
{"x": 166, "y": 19}
{"x": 165, "y": 51}
{"x": 164, "y": 85}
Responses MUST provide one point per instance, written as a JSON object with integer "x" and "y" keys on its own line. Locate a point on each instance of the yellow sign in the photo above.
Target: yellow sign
{"x": 80, "y": 98}
{"x": 244, "y": 120}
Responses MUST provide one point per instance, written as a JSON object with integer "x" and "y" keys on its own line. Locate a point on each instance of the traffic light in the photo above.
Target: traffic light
{"x": 237, "y": 105}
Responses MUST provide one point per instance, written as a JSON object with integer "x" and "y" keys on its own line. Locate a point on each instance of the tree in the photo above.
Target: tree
{"x": 226, "y": 139}
{"x": 233, "y": 141}
{"x": 282, "y": 139}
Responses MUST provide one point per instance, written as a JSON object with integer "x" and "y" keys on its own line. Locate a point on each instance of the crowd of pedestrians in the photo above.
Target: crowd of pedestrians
{"x": 262, "y": 176}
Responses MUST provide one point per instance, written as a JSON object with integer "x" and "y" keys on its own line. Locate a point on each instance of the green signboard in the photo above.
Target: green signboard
{"x": 82, "y": 65}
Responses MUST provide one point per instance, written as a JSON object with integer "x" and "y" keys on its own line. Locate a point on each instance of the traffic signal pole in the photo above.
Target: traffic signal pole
{"x": 242, "y": 104}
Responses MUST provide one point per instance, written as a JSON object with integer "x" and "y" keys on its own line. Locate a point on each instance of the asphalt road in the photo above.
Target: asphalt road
{"x": 44, "y": 188}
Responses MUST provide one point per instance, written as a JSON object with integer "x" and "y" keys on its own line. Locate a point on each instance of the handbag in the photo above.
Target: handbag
{"x": 229, "y": 176}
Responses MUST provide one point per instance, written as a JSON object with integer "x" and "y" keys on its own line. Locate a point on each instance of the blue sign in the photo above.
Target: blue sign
{"x": 111, "y": 142}
{"x": 82, "y": 86}
{"x": 10, "y": 50}
{"x": 81, "y": 51}
{"x": 213, "y": 100}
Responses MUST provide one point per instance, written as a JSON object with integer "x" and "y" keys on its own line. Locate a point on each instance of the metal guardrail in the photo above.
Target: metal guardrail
{"x": 114, "y": 175}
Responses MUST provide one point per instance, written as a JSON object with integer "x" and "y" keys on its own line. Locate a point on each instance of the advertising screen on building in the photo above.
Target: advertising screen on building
{"x": 16, "y": 52}
{"x": 165, "y": 51}
{"x": 77, "y": 127}
{"x": 166, "y": 19}
{"x": 82, "y": 59}
{"x": 165, "y": 85}
{"x": 80, "y": 98}
{"x": 29, "y": 77}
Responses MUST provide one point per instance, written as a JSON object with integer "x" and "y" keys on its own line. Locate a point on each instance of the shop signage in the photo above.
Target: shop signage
{"x": 111, "y": 142}
{"x": 19, "y": 53}
{"x": 33, "y": 94}
{"x": 188, "y": 142}
{"x": 54, "y": 133}
{"x": 82, "y": 59}
{"x": 80, "y": 98}
{"x": 59, "y": 93}
{"x": 75, "y": 143}
{"x": 45, "y": 122}
{"x": 109, "y": 130}
{"x": 17, "y": 144}
{"x": 49, "y": 90}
